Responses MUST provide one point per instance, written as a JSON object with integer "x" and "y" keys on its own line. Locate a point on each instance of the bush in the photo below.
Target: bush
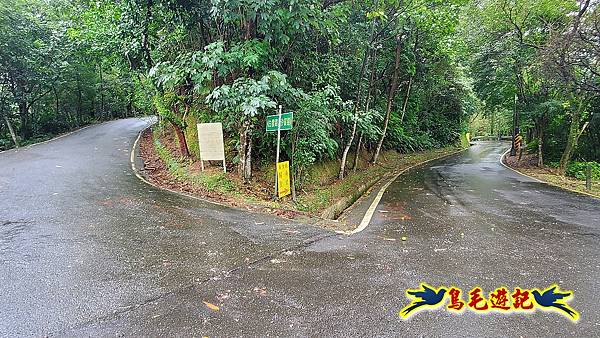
{"x": 577, "y": 169}
{"x": 532, "y": 146}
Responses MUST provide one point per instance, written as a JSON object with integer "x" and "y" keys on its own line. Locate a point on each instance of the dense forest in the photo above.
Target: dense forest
{"x": 373, "y": 74}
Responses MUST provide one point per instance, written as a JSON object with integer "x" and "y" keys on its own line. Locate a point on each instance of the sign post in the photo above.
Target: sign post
{"x": 278, "y": 143}
{"x": 278, "y": 123}
{"x": 588, "y": 177}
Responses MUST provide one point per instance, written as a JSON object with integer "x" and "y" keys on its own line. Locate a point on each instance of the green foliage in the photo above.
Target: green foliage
{"x": 578, "y": 170}
{"x": 173, "y": 165}
{"x": 524, "y": 56}
{"x": 67, "y": 63}
{"x": 214, "y": 182}
{"x": 162, "y": 105}
{"x": 532, "y": 146}
{"x": 247, "y": 99}
{"x": 405, "y": 142}
{"x": 313, "y": 130}
{"x": 178, "y": 168}
{"x": 61, "y": 67}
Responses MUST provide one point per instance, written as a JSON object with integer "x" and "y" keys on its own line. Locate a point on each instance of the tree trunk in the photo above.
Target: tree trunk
{"x": 245, "y": 152}
{"x": 56, "y": 99}
{"x": 146, "y": 34}
{"x": 390, "y": 100}
{"x": 12, "y": 132}
{"x": 92, "y": 112}
{"x": 357, "y": 103}
{"x": 346, "y": 149}
{"x": 183, "y": 148}
{"x": 24, "y": 116}
{"x": 540, "y": 137}
{"x": 573, "y": 138}
{"x": 540, "y": 146}
{"x": 129, "y": 108}
{"x": 492, "y": 122}
{"x": 79, "y": 108}
{"x": 358, "y": 146}
{"x": 406, "y": 98}
{"x": 367, "y": 106}
{"x": 101, "y": 89}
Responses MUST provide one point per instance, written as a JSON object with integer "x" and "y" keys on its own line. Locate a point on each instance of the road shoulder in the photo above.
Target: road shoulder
{"x": 550, "y": 178}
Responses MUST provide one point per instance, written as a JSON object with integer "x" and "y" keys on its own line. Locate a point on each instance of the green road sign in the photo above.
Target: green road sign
{"x": 286, "y": 122}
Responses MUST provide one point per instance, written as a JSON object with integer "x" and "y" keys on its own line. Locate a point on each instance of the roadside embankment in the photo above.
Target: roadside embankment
{"x": 321, "y": 196}
{"x": 527, "y": 166}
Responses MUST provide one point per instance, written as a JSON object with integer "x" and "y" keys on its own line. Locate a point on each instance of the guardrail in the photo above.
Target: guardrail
{"x": 491, "y": 138}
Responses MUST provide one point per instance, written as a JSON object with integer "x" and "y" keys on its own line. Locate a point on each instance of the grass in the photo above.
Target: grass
{"x": 214, "y": 182}
{"x": 173, "y": 165}
{"x": 180, "y": 169}
{"x": 324, "y": 190}
{"x": 549, "y": 174}
{"x": 320, "y": 189}
{"x": 562, "y": 181}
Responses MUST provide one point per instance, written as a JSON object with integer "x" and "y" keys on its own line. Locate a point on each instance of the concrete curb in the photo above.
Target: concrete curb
{"x": 501, "y": 159}
{"x": 319, "y": 221}
{"x": 135, "y": 149}
{"x": 338, "y": 208}
{"x": 345, "y": 203}
{"x": 369, "y": 213}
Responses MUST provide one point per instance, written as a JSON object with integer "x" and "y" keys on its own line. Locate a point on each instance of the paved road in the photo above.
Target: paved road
{"x": 88, "y": 249}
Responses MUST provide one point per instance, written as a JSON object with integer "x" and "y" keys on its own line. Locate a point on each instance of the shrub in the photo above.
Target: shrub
{"x": 532, "y": 146}
{"x": 577, "y": 169}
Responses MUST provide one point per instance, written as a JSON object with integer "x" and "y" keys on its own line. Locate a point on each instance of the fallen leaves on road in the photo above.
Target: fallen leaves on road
{"x": 211, "y": 306}
{"x": 261, "y": 291}
{"x": 291, "y": 231}
{"x": 387, "y": 238}
{"x": 223, "y": 296}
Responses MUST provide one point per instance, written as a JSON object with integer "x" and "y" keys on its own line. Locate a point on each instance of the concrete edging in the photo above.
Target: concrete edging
{"x": 338, "y": 208}
{"x": 344, "y": 203}
{"x": 143, "y": 179}
{"x": 371, "y": 210}
{"x": 541, "y": 181}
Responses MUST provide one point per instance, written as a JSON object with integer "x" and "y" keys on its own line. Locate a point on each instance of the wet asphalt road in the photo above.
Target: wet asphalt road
{"x": 86, "y": 249}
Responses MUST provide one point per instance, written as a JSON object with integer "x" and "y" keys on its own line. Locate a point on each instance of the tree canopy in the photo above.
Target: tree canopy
{"x": 371, "y": 75}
